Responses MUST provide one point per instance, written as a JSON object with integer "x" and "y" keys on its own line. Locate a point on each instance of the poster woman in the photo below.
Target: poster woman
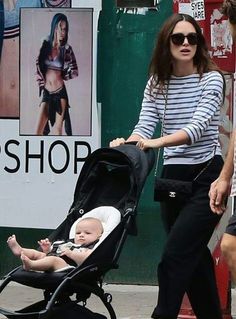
{"x": 56, "y": 63}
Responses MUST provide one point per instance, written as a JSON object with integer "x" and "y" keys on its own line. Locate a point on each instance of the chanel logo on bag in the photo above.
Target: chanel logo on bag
{"x": 172, "y": 194}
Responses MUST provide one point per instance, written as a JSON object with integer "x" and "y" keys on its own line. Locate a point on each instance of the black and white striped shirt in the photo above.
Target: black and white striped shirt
{"x": 193, "y": 105}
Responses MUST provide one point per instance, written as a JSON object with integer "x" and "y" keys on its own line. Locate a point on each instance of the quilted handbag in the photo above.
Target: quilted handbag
{"x": 165, "y": 189}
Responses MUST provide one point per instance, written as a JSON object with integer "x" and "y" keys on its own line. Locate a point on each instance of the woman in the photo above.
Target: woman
{"x": 56, "y": 63}
{"x": 184, "y": 78}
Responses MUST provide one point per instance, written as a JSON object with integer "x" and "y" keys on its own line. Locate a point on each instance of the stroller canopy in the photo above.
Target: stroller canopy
{"x": 113, "y": 176}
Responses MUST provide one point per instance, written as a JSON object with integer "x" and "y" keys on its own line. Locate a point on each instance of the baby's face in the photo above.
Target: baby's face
{"x": 87, "y": 231}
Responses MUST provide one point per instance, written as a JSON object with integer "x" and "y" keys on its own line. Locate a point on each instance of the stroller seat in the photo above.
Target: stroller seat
{"x": 108, "y": 188}
{"x": 109, "y": 217}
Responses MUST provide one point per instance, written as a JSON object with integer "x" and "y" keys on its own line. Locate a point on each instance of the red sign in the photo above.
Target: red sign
{"x": 215, "y": 29}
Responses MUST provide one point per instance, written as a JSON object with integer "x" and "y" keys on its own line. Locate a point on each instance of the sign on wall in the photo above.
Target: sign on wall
{"x": 195, "y": 8}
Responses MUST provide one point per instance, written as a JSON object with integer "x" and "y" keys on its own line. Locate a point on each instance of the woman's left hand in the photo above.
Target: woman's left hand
{"x": 144, "y": 144}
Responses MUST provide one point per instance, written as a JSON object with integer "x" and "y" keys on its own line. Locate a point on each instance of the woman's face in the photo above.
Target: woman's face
{"x": 61, "y": 31}
{"x": 183, "y": 49}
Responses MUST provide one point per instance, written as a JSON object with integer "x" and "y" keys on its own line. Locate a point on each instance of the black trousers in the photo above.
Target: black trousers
{"x": 187, "y": 264}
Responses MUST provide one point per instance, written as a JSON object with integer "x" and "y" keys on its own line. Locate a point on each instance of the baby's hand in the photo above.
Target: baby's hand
{"x": 63, "y": 249}
{"x": 67, "y": 252}
{"x": 78, "y": 255}
{"x": 45, "y": 245}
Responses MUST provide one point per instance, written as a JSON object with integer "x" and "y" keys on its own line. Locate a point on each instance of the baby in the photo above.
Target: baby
{"x": 60, "y": 255}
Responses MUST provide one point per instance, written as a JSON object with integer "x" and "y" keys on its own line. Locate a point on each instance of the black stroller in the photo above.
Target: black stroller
{"x": 111, "y": 178}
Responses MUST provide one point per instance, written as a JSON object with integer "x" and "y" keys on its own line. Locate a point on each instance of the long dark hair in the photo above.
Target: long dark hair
{"x": 55, "y": 21}
{"x": 229, "y": 9}
{"x": 47, "y": 45}
{"x": 161, "y": 63}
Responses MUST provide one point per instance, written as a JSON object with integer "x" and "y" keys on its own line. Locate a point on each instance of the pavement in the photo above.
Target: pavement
{"x": 128, "y": 301}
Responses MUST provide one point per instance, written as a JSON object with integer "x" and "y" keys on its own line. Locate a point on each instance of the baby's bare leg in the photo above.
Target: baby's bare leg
{"x": 18, "y": 250}
{"x": 33, "y": 254}
{"x": 49, "y": 263}
{"x": 14, "y": 245}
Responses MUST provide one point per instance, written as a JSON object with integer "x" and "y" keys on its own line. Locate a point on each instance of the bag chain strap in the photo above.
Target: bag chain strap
{"x": 162, "y": 130}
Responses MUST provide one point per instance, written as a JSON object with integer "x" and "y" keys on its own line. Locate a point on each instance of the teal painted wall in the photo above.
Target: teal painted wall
{"x": 125, "y": 45}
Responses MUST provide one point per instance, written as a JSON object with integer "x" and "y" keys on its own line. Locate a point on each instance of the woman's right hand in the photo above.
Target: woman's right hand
{"x": 218, "y": 193}
{"x": 116, "y": 142}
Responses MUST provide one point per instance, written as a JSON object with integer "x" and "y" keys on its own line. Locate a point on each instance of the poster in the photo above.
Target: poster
{"x": 220, "y": 36}
{"x": 78, "y": 87}
{"x": 39, "y": 172}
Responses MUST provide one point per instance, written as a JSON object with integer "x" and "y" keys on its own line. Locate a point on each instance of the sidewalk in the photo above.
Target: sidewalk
{"x": 128, "y": 301}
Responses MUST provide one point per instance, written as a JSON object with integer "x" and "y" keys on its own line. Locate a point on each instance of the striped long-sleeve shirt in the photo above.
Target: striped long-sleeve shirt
{"x": 193, "y": 105}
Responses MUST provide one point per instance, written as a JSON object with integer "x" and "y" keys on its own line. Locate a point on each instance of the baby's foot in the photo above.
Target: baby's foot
{"x": 14, "y": 246}
{"x": 26, "y": 262}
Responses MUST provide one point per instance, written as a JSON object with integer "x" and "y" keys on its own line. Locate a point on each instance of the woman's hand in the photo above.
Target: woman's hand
{"x": 116, "y": 142}
{"x": 144, "y": 144}
{"x": 218, "y": 193}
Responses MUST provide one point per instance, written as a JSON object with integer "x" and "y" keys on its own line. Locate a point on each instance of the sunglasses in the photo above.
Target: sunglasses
{"x": 178, "y": 38}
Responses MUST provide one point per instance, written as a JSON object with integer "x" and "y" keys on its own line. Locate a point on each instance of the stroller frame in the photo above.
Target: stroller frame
{"x": 34, "y": 311}
{"x": 87, "y": 279}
